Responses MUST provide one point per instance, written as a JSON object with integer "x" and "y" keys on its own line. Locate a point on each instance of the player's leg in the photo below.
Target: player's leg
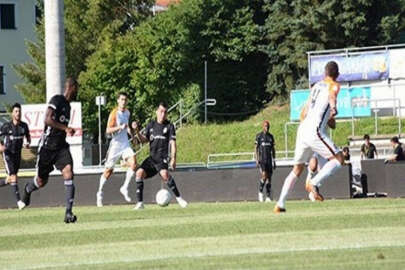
{"x": 327, "y": 149}
{"x": 130, "y": 158}
{"x": 146, "y": 170}
{"x": 301, "y": 155}
{"x": 269, "y": 174}
{"x": 64, "y": 163}
{"x": 112, "y": 157}
{"x": 6, "y": 158}
{"x": 169, "y": 180}
{"x": 44, "y": 167}
{"x": 262, "y": 182}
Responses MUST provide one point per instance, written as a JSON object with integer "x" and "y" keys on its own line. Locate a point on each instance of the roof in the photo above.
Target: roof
{"x": 166, "y": 3}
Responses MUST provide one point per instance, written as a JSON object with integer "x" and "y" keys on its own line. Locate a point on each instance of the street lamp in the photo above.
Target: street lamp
{"x": 100, "y": 101}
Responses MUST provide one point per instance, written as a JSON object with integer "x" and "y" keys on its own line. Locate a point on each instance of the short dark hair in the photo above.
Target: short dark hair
{"x": 346, "y": 149}
{"x": 366, "y": 137}
{"x": 71, "y": 81}
{"x": 332, "y": 69}
{"x": 16, "y": 105}
{"x": 163, "y": 104}
{"x": 395, "y": 139}
{"x": 122, "y": 94}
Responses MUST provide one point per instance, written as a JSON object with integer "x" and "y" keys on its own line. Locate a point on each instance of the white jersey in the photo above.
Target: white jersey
{"x": 118, "y": 118}
{"x": 318, "y": 110}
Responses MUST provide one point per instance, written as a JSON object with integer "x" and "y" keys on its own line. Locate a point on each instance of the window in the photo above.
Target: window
{"x": 2, "y": 84}
{"x": 7, "y": 16}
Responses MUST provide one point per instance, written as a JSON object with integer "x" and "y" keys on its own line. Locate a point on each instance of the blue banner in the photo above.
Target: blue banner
{"x": 357, "y": 96}
{"x": 360, "y": 67}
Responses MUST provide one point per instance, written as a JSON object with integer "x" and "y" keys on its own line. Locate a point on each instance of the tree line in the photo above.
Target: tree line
{"x": 255, "y": 50}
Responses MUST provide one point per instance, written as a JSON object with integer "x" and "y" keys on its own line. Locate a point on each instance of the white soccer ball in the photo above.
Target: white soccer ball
{"x": 163, "y": 197}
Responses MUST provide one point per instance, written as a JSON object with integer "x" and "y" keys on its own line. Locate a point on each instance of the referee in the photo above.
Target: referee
{"x": 14, "y": 133}
{"x": 54, "y": 150}
{"x": 265, "y": 154}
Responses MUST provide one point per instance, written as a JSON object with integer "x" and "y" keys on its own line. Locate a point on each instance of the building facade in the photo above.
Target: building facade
{"x": 17, "y": 25}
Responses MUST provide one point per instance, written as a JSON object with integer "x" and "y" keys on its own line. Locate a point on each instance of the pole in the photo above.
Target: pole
{"x": 54, "y": 48}
{"x": 205, "y": 91}
{"x": 99, "y": 132}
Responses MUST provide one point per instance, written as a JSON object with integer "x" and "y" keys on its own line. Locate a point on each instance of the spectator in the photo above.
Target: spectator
{"x": 368, "y": 150}
{"x": 398, "y": 153}
{"x": 346, "y": 154}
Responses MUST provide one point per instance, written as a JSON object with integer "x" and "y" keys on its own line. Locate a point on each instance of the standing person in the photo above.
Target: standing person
{"x": 53, "y": 149}
{"x": 264, "y": 155}
{"x": 319, "y": 112}
{"x": 14, "y": 133}
{"x": 368, "y": 150}
{"x": 398, "y": 151}
{"x": 119, "y": 147}
{"x": 160, "y": 134}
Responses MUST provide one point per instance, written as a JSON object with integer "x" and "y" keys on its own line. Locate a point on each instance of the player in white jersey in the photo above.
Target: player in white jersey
{"x": 119, "y": 147}
{"x": 312, "y": 138}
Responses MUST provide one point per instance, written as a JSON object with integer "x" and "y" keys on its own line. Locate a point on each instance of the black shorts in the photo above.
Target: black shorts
{"x": 47, "y": 159}
{"x": 152, "y": 167}
{"x": 12, "y": 162}
{"x": 267, "y": 167}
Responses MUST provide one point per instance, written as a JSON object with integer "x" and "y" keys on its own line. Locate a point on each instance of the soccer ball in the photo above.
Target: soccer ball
{"x": 163, "y": 197}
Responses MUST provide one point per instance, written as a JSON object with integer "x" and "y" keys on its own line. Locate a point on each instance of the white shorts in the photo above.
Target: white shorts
{"x": 114, "y": 154}
{"x": 308, "y": 143}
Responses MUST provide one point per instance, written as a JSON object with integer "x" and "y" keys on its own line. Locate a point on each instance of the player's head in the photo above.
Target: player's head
{"x": 266, "y": 126}
{"x": 122, "y": 100}
{"x": 394, "y": 141}
{"x": 16, "y": 111}
{"x": 161, "y": 112}
{"x": 346, "y": 153}
{"x": 366, "y": 138}
{"x": 71, "y": 87}
{"x": 332, "y": 70}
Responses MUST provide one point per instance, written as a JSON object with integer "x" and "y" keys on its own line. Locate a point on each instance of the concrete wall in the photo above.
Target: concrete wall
{"x": 195, "y": 185}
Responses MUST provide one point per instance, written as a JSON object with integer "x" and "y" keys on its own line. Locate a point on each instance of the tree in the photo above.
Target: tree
{"x": 295, "y": 27}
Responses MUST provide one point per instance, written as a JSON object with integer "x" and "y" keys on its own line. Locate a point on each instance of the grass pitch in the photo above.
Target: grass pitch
{"x": 336, "y": 234}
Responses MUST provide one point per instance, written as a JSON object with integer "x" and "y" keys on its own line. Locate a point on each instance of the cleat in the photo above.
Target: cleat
{"x": 268, "y": 200}
{"x": 314, "y": 190}
{"x": 21, "y": 205}
{"x": 181, "y": 202}
{"x": 26, "y": 199}
{"x": 139, "y": 206}
{"x": 278, "y": 210}
{"x": 100, "y": 199}
{"x": 124, "y": 192}
{"x": 261, "y": 197}
{"x": 70, "y": 218}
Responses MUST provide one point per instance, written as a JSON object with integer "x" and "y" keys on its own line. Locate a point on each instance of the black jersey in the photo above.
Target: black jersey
{"x": 368, "y": 150}
{"x": 265, "y": 146}
{"x": 159, "y": 136}
{"x": 398, "y": 150}
{"x": 14, "y": 135}
{"x": 54, "y": 138}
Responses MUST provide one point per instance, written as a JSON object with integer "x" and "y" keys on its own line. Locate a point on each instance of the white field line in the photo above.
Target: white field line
{"x": 138, "y": 251}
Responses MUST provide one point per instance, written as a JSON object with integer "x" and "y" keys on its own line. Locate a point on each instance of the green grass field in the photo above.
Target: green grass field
{"x": 336, "y": 234}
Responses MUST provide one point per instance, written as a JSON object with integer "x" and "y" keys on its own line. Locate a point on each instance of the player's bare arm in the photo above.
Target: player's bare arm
{"x": 173, "y": 154}
{"x": 138, "y": 134}
{"x": 52, "y": 123}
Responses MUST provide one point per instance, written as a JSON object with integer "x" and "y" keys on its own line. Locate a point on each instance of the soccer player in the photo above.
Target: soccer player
{"x": 311, "y": 136}
{"x": 119, "y": 147}
{"x": 159, "y": 134}
{"x": 53, "y": 149}
{"x": 14, "y": 133}
{"x": 264, "y": 155}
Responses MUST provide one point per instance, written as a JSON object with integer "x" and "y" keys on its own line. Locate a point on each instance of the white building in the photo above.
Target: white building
{"x": 17, "y": 24}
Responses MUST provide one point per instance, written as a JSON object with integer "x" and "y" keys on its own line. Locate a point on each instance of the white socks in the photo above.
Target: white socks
{"x": 102, "y": 182}
{"x": 289, "y": 183}
{"x": 330, "y": 168}
{"x": 130, "y": 173}
{"x": 310, "y": 174}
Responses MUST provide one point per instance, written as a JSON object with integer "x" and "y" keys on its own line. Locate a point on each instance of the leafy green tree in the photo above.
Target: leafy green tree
{"x": 295, "y": 27}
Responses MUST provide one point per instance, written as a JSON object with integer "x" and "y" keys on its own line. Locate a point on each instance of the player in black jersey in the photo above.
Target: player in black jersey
{"x": 265, "y": 154}
{"x": 159, "y": 134}
{"x": 54, "y": 150}
{"x": 14, "y": 133}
